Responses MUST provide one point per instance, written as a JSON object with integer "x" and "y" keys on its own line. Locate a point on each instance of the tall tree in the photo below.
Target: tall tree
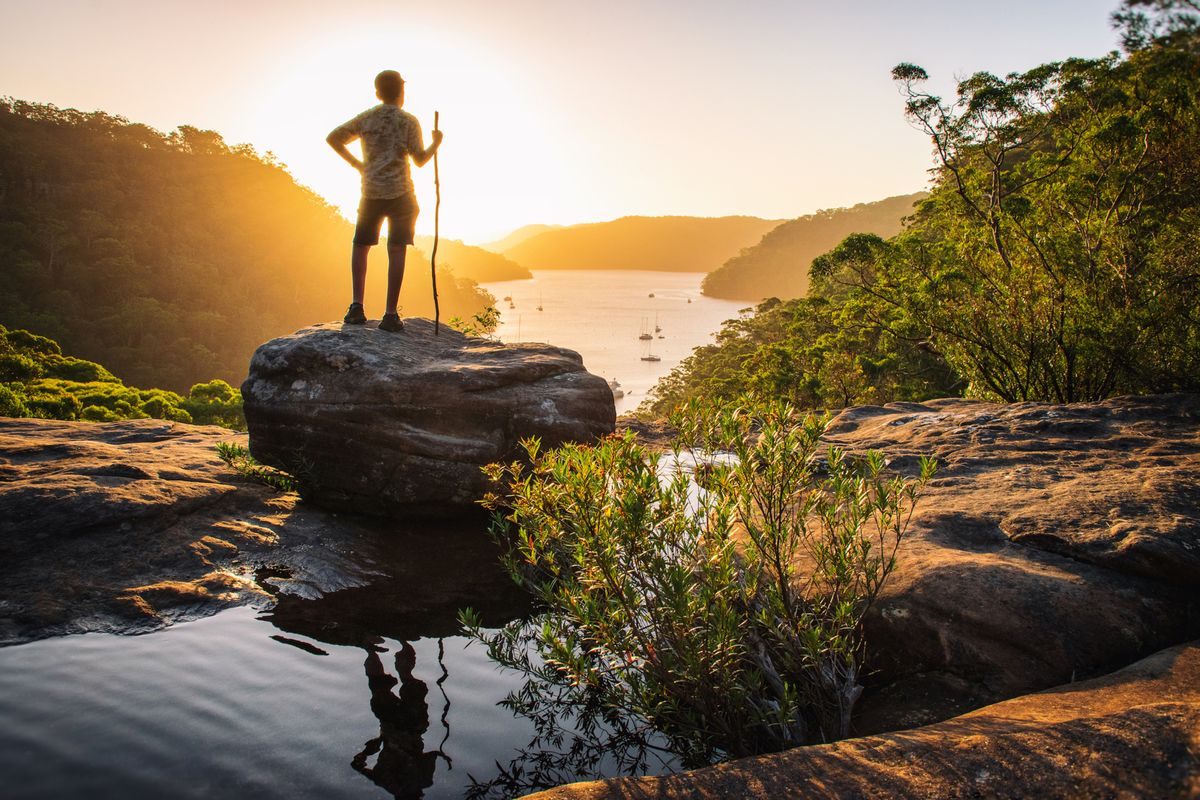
{"x": 1057, "y": 258}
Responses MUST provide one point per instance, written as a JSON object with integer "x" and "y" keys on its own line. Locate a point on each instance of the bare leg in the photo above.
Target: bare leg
{"x": 358, "y": 271}
{"x": 395, "y": 275}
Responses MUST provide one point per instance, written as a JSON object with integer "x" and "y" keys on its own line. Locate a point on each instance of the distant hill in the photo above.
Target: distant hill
{"x": 170, "y": 257}
{"x": 778, "y": 265}
{"x": 677, "y": 244}
{"x": 476, "y": 263}
{"x": 517, "y": 236}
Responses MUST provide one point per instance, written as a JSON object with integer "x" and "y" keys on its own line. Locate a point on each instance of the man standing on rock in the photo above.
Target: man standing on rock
{"x": 390, "y": 136}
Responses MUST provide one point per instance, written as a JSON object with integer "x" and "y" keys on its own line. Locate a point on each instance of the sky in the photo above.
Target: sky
{"x": 553, "y": 112}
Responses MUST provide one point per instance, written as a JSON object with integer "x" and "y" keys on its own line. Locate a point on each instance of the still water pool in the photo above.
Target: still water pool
{"x": 230, "y": 706}
{"x": 366, "y": 692}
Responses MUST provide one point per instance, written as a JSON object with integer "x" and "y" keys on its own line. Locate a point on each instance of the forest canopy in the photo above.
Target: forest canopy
{"x": 170, "y": 257}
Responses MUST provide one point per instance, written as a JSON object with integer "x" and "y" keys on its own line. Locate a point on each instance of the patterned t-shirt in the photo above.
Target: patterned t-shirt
{"x": 389, "y": 135}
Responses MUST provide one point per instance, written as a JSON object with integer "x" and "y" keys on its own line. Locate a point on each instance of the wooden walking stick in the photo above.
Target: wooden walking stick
{"x": 437, "y": 185}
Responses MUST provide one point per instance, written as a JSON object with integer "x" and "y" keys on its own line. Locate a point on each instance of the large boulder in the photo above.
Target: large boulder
{"x": 378, "y": 422}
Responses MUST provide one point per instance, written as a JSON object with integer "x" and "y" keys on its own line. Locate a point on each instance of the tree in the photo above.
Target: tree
{"x": 1144, "y": 23}
{"x": 1055, "y": 259}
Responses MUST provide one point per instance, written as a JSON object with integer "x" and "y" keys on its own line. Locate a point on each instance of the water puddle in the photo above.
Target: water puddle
{"x": 364, "y": 692}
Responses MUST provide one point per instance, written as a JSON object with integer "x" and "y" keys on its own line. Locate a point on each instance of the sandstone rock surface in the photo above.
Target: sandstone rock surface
{"x": 379, "y": 422}
{"x": 126, "y": 527}
{"x": 1130, "y": 734}
{"x": 1057, "y": 542}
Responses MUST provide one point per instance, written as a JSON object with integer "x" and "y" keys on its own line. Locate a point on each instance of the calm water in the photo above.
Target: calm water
{"x": 600, "y": 314}
{"x": 366, "y": 692}
{"x": 220, "y": 708}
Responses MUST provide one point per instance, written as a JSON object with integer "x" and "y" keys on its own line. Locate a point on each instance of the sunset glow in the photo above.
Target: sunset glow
{"x": 726, "y": 399}
{"x": 553, "y": 112}
{"x": 303, "y": 98}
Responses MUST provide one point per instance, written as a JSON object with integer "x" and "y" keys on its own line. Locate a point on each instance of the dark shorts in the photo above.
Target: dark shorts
{"x": 401, "y": 213}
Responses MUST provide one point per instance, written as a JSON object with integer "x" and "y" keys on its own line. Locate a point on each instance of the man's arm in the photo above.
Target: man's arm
{"x": 338, "y": 139}
{"x": 421, "y": 155}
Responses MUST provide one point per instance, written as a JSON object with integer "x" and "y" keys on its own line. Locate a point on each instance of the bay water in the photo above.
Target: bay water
{"x": 601, "y": 313}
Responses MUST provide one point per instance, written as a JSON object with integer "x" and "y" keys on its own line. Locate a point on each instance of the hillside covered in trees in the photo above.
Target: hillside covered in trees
{"x": 778, "y": 265}
{"x": 170, "y": 257}
{"x": 516, "y": 237}
{"x": 474, "y": 263}
{"x": 1055, "y": 259}
{"x": 675, "y": 244}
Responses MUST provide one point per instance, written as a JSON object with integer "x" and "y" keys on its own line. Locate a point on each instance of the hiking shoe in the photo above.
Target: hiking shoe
{"x": 391, "y": 322}
{"x": 355, "y": 315}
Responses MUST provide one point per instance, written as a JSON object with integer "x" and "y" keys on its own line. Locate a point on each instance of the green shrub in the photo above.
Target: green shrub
{"x": 216, "y": 403}
{"x": 99, "y": 414}
{"x": 69, "y": 368}
{"x": 50, "y": 402}
{"x": 31, "y": 342}
{"x": 12, "y": 403}
{"x": 163, "y": 405}
{"x": 729, "y": 617}
{"x": 481, "y": 324}
{"x": 18, "y": 367}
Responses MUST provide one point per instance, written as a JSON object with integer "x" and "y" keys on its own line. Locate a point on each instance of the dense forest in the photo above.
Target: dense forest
{"x": 1057, "y": 257}
{"x": 778, "y": 265}
{"x": 170, "y": 257}
{"x": 816, "y": 352}
{"x": 38, "y": 380}
{"x": 473, "y": 263}
{"x": 677, "y": 244}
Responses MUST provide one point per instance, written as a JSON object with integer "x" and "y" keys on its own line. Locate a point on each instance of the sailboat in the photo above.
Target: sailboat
{"x": 650, "y": 355}
{"x": 657, "y": 327}
{"x": 539, "y": 302}
{"x": 645, "y": 335}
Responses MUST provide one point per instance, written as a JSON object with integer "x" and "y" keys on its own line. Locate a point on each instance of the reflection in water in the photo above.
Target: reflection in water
{"x": 427, "y": 577}
{"x": 403, "y": 766}
{"x": 346, "y": 695}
